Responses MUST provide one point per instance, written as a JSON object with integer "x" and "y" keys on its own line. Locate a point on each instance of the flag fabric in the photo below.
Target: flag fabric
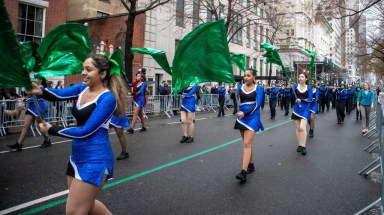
{"x": 63, "y": 50}
{"x": 312, "y": 54}
{"x": 272, "y": 56}
{"x": 238, "y": 60}
{"x": 13, "y": 69}
{"x": 202, "y": 56}
{"x": 28, "y": 52}
{"x": 118, "y": 57}
{"x": 158, "y": 55}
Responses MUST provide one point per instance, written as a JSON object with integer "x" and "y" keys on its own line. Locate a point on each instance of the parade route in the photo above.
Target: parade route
{"x": 163, "y": 176}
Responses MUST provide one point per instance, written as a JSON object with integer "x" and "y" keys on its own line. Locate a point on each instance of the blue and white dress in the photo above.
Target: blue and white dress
{"x": 120, "y": 121}
{"x": 91, "y": 156}
{"x": 139, "y": 98}
{"x": 32, "y": 109}
{"x": 302, "y": 110}
{"x": 314, "y": 108}
{"x": 188, "y": 104}
{"x": 250, "y": 105}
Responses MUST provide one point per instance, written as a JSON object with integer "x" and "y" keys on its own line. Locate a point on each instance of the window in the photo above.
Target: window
{"x": 101, "y": 14}
{"x": 266, "y": 34}
{"x": 248, "y": 35}
{"x": 106, "y": 1}
{"x": 261, "y": 34}
{"x": 248, "y": 63}
{"x": 254, "y": 39}
{"x": 209, "y": 15}
{"x": 261, "y": 67}
{"x": 31, "y": 22}
{"x": 180, "y": 13}
{"x": 196, "y": 12}
{"x": 288, "y": 33}
{"x": 221, "y": 9}
{"x": 235, "y": 29}
{"x": 292, "y": 32}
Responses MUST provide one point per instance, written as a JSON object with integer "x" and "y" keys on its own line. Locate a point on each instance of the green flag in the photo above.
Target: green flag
{"x": 118, "y": 57}
{"x": 158, "y": 55}
{"x": 13, "y": 70}
{"x": 28, "y": 52}
{"x": 63, "y": 50}
{"x": 239, "y": 61}
{"x": 202, "y": 56}
{"x": 312, "y": 54}
{"x": 272, "y": 56}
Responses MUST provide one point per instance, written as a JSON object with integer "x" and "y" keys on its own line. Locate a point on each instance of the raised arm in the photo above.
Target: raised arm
{"x": 68, "y": 93}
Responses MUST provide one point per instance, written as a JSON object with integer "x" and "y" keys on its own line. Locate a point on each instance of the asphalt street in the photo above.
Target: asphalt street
{"x": 163, "y": 176}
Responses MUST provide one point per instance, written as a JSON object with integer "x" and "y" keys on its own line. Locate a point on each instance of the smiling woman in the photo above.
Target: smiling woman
{"x": 91, "y": 161}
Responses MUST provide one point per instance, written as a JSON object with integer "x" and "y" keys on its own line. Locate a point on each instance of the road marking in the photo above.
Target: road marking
{"x": 54, "y": 143}
{"x": 115, "y": 183}
{"x": 178, "y": 122}
{"x": 31, "y": 147}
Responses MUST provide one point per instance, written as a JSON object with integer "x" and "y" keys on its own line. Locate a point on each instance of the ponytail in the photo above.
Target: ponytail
{"x": 116, "y": 86}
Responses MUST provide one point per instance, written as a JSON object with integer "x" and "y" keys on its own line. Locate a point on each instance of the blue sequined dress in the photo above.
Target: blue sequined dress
{"x": 302, "y": 110}
{"x": 32, "y": 110}
{"x": 91, "y": 156}
{"x": 250, "y": 105}
{"x": 188, "y": 103}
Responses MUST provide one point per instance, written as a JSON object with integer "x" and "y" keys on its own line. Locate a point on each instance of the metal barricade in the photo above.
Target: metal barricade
{"x": 377, "y": 163}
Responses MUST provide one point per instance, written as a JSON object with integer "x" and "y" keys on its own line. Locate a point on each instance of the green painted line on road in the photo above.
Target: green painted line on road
{"x": 112, "y": 184}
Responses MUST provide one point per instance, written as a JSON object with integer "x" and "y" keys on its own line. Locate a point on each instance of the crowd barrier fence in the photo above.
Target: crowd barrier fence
{"x": 375, "y": 127}
{"x": 12, "y": 112}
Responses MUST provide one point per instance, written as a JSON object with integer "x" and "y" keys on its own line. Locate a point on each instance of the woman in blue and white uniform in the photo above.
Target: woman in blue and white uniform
{"x": 187, "y": 113}
{"x": 301, "y": 111}
{"x": 91, "y": 161}
{"x": 30, "y": 115}
{"x": 313, "y": 108}
{"x": 140, "y": 100}
{"x": 248, "y": 119}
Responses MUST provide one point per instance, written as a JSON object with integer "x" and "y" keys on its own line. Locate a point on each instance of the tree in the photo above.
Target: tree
{"x": 133, "y": 11}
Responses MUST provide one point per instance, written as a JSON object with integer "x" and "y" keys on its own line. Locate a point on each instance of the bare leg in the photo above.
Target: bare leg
{"x": 247, "y": 141}
{"x": 82, "y": 198}
{"x": 122, "y": 140}
{"x": 312, "y": 123}
{"x": 27, "y": 123}
{"x": 136, "y": 110}
{"x": 191, "y": 117}
{"x": 183, "y": 118}
{"x": 141, "y": 115}
{"x": 303, "y": 132}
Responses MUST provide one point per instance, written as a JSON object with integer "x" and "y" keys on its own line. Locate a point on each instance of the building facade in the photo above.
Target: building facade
{"x": 33, "y": 19}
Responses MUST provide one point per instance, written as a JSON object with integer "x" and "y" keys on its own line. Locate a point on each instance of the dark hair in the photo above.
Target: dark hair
{"x": 253, "y": 70}
{"x": 58, "y": 84}
{"x": 114, "y": 83}
{"x": 142, "y": 76}
{"x": 314, "y": 83}
{"x": 44, "y": 82}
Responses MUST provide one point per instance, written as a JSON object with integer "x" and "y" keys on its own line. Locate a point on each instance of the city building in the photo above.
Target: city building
{"x": 33, "y": 19}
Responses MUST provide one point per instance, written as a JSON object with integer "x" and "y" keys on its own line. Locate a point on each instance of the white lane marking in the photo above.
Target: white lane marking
{"x": 63, "y": 141}
{"x": 171, "y": 123}
{"x": 31, "y": 147}
{"x": 34, "y": 202}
